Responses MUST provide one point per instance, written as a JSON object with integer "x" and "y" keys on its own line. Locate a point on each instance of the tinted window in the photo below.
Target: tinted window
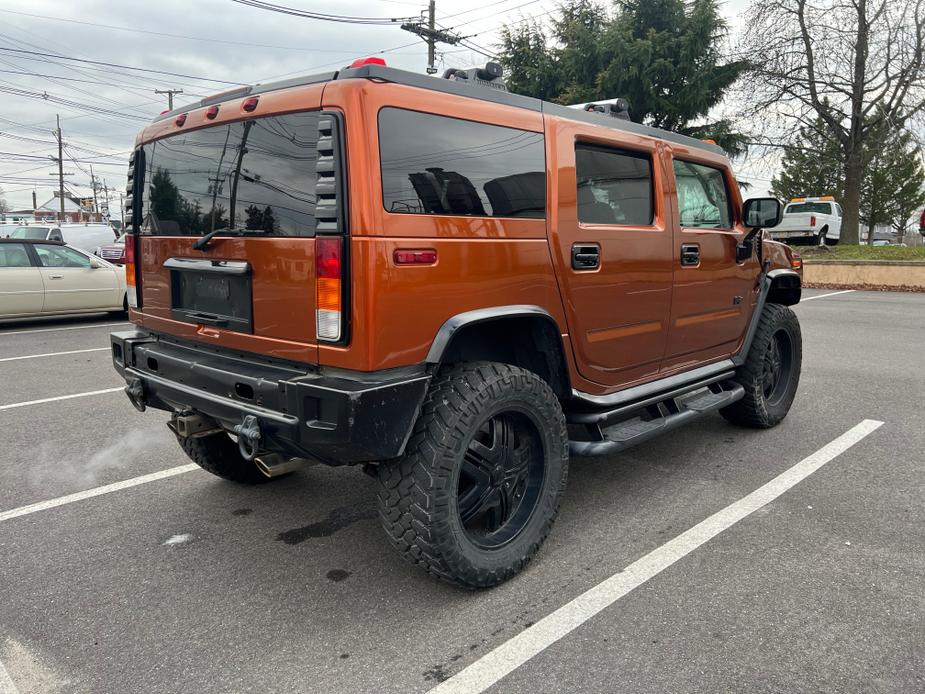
{"x": 438, "y": 165}
{"x": 257, "y": 174}
{"x": 60, "y": 256}
{"x": 810, "y": 208}
{"x": 14, "y": 255}
{"x": 613, "y": 187}
{"x": 703, "y": 201}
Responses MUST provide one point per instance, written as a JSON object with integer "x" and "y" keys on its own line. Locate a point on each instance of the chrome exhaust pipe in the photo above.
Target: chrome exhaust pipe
{"x": 272, "y": 465}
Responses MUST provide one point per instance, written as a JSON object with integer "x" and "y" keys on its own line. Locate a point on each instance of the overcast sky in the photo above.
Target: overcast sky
{"x": 216, "y": 39}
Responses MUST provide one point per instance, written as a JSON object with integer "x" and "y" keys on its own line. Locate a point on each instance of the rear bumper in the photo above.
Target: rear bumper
{"x": 338, "y": 417}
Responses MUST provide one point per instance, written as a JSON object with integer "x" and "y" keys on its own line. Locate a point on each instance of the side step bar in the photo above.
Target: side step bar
{"x": 669, "y": 414}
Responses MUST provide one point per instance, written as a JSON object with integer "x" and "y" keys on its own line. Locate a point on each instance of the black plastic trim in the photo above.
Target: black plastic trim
{"x": 302, "y": 412}
{"x": 452, "y": 325}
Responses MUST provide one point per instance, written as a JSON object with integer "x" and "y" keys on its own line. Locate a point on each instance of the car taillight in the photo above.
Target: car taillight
{"x": 328, "y": 287}
{"x": 812, "y": 221}
{"x": 128, "y": 255}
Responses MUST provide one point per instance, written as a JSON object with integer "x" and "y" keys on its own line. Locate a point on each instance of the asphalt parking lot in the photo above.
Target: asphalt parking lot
{"x": 191, "y": 584}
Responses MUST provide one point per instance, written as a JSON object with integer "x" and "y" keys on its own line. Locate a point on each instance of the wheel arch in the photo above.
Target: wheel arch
{"x": 785, "y": 287}
{"x": 520, "y": 335}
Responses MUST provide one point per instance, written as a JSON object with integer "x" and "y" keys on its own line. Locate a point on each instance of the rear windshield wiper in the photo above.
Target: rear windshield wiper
{"x": 203, "y": 241}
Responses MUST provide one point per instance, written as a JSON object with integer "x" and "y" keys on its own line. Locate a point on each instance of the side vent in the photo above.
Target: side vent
{"x": 328, "y": 190}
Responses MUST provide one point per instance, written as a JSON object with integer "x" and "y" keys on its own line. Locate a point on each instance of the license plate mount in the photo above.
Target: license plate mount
{"x": 212, "y": 292}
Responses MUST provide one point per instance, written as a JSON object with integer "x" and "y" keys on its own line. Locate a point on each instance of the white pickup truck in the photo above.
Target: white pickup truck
{"x": 813, "y": 220}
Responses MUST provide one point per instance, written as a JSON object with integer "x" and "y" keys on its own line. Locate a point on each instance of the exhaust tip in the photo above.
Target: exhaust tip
{"x": 273, "y": 465}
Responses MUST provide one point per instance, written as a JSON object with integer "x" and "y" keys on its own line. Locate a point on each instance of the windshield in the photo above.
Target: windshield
{"x": 256, "y": 175}
{"x": 810, "y": 208}
{"x": 30, "y": 233}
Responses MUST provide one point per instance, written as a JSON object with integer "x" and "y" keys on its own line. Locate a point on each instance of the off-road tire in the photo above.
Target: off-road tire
{"x": 756, "y": 410}
{"x": 418, "y": 492}
{"x": 219, "y": 454}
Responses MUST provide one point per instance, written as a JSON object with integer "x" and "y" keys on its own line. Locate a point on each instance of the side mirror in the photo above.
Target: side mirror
{"x": 95, "y": 263}
{"x": 762, "y": 213}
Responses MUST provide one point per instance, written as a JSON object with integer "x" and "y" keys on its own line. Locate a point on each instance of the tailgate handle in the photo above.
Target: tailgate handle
{"x": 586, "y": 257}
{"x": 207, "y": 318}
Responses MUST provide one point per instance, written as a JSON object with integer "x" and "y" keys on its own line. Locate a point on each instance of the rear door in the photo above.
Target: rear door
{"x": 614, "y": 250}
{"x": 268, "y": 186}
{"x": 72, "y": 283}
{"x": 21, "y": 288}
{"x": 713, "y": 294}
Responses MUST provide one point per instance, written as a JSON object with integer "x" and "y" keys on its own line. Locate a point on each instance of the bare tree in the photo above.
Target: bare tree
{"x": 852, "y": 64}
{"x": 4, "y": 207}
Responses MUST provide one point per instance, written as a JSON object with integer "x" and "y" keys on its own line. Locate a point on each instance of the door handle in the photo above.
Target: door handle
{"x": 56, "y": 277}
{"x": 586, "y": 256}
{"x": 690, "y": 254}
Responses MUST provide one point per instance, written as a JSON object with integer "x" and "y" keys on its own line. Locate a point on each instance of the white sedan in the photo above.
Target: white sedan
{"x": 45, "y": 278}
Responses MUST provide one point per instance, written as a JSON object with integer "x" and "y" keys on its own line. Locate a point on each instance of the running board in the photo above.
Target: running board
{"x": 671, "y": 414}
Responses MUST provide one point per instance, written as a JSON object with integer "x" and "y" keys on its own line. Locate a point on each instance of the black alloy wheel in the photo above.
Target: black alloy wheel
{"x": 778, "y": 362}
{"x": 500, "y": 479}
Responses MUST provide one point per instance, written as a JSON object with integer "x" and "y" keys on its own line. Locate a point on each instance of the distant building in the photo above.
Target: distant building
{"x": 74, "y": 211}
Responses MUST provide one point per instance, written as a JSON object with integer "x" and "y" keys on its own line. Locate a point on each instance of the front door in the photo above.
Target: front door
{"x": 713, "y": 295}
{"x": 72, "y": 283}
{"x": 614, "y": 250}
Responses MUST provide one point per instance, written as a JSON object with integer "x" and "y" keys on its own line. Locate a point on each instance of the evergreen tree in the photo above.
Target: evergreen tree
{"x": 269, "y": 220}
{"x": 254, "y": 218}
{"x": 812, "y": 167}
{"x": 663, "y": 56}
{"x": 891, "y": 190}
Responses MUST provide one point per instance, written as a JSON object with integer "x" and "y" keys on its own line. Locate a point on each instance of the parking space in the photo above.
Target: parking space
{"x": 189, "y": 583}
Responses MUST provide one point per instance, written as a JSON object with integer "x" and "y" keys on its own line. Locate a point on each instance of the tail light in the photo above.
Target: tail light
{"x": 131, "y": 286}
{"x": 796, "y": 262}
{"x": 812, "y": 221}
{"x": 329, "y": 269}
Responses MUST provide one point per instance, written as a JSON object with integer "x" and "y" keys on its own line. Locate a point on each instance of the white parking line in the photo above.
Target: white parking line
{"x": 55, "y": 354}
{"x": 69, "y": 327}
{"x": 507, "y": 657}
{"x": 61, "y": 397}
{"x": 822, "y": 296}
{"x": 6, "y": 682}
{"x": 96, "y": 491}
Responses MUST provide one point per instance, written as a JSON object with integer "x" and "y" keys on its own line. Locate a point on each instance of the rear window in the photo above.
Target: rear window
{"x": 258, "y": 175}
{"x": 30, "y": 233}
{"x": 448, "y": 166}
{"x": 810, "y": 208}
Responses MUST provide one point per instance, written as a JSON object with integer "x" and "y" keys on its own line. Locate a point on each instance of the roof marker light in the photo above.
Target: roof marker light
{"x": 360, "y": 62}
{"x": 250, "y": 104}
{"x": 212, "y": 112}
{"x": 181, "y": 119}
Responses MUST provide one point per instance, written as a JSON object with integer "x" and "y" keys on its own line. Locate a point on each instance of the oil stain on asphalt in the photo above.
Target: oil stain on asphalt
{"x": 338, "y": 519}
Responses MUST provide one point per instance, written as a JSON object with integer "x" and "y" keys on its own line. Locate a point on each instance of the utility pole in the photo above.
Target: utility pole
{"x": 431, "y": 35}
{"x": 96, "y": 207}
{"x": 60, "y": 167}
{"x": 169, "y": 93}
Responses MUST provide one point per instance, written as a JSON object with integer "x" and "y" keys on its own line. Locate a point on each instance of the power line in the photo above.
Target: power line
{"x": 124, "y": 67}
{"x": 182, "y": 36}
{"x": 305, "y": 14}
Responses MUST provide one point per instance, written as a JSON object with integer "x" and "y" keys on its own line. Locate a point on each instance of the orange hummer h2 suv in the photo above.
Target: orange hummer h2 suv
{"x": 452, "y": 285}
